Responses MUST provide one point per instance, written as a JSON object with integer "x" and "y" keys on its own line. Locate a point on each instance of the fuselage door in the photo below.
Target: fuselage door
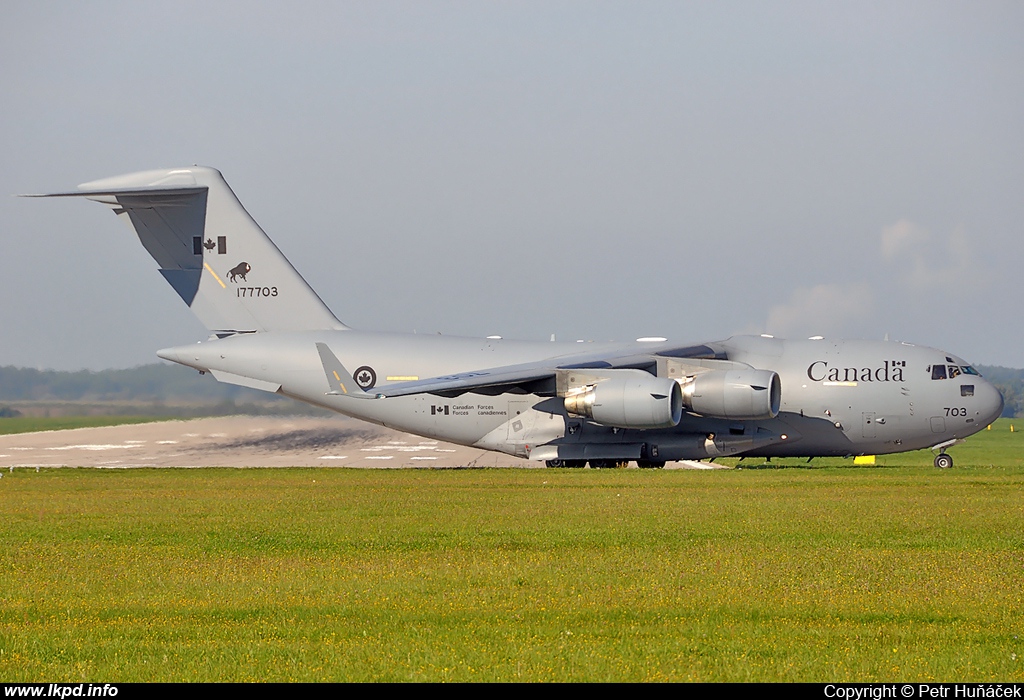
{"x": 868, "y": 425}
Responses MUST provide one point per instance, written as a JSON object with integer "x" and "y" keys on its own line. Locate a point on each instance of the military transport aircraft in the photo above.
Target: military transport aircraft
{"x": 568, "y": 404}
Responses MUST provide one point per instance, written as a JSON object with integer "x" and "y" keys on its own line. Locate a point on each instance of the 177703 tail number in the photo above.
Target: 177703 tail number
{"x": 256, "y": 291}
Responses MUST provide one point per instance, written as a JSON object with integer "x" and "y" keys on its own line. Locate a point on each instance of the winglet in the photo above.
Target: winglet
{"x": 338, "y": 378}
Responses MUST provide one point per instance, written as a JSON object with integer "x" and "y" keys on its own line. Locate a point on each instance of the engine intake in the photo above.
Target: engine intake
{"x": 630, "y": 399}
{"x": 749, "y": 394}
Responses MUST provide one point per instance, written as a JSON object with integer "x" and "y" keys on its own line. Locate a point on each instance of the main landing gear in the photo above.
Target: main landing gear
{"x": 602, "y": 463}
{"x": 566, "y": 463}
{"x": 650, "y": 463}
{"x": 608, "y": 463}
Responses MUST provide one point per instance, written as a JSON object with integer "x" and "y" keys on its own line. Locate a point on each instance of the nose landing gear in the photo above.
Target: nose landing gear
{"x": 943, "y": 460}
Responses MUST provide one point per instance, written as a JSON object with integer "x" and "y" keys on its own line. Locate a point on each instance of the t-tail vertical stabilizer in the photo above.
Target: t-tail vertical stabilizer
{"x": 214, "y": 255}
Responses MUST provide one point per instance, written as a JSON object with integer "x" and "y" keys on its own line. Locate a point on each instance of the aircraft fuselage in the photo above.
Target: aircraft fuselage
{"x": 839, "y": 398}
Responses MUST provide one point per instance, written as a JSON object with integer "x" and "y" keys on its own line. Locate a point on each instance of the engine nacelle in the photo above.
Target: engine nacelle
{"x": 745, "y": 394}
{"x": 630, "y": 399}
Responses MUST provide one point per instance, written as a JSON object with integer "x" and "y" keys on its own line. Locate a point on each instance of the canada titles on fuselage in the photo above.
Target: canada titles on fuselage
{"x": 889, "y": 371}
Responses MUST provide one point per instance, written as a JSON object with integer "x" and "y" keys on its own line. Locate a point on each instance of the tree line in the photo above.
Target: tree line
{"x": 1010, "y": 383}
{"x": 156, "y": 383}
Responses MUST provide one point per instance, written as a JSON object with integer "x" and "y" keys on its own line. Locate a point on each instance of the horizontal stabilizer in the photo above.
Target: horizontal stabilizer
{"x": 338, "y": 378}
{"x": 155, "y": 191}
{"x": 239, "y": 380}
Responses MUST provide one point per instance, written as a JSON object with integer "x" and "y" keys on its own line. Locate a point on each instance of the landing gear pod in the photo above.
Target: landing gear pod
{"x": 631, "y": 399}
{"x": 748, "y": 394}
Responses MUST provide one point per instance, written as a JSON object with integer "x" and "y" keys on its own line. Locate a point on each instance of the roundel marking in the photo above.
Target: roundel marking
{"x": 365, "y": 377}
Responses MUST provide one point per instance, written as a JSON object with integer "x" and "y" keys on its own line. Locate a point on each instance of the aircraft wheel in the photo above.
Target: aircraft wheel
{"x": 943, "y": 461}
{"x": 575, "y": 463}
{"x": 602, "y": 464}
{"x": 650, "y": 464}
{"x": 555, "y": 463}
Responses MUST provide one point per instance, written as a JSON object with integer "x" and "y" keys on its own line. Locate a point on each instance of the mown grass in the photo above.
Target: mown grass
{"x": 898, "y": 572}
{"x": 31, "y": 424}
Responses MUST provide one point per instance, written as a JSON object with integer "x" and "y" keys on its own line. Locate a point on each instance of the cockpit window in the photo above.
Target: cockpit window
{"x": 951, "y": 371}
{"x": 967, "y": 390}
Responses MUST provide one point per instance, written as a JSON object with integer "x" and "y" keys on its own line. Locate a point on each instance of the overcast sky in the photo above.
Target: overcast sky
{"x": 594, "y": 170}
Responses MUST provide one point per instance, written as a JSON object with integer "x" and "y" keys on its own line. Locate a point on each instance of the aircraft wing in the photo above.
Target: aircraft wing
{"x": 528, "y": 378}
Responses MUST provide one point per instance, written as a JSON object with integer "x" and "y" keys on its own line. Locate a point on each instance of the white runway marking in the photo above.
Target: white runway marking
{"x": 334, "y": 457}
{"x": 399, "y": 448}
{"x": 96, "y": 448}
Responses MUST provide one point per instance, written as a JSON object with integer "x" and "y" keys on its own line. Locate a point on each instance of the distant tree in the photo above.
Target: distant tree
{"x": 1010, "y": 383}
{"x": 166, "y": 389}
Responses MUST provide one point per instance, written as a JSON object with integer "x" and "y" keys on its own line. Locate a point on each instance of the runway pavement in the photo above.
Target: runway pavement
{"x": 251, "y": 441}
{"x": 242, "y": 441}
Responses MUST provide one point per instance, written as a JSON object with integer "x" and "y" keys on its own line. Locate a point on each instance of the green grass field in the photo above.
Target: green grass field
{"x": 32, "y": 424}
{"x": 821, "y": 573}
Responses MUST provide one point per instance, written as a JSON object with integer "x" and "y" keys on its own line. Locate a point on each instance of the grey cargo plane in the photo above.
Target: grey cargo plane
{"x": 568, "y": 404}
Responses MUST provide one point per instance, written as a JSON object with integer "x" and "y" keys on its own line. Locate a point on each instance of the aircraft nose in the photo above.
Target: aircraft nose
{"x": 991, "y": 403}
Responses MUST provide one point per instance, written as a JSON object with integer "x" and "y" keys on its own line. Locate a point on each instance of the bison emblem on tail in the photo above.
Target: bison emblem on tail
{"x": 239, "y": 270}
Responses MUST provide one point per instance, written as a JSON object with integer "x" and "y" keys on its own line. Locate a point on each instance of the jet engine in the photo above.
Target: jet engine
{"x": 631, "y": 398}
{"x": 744, "y": 394}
